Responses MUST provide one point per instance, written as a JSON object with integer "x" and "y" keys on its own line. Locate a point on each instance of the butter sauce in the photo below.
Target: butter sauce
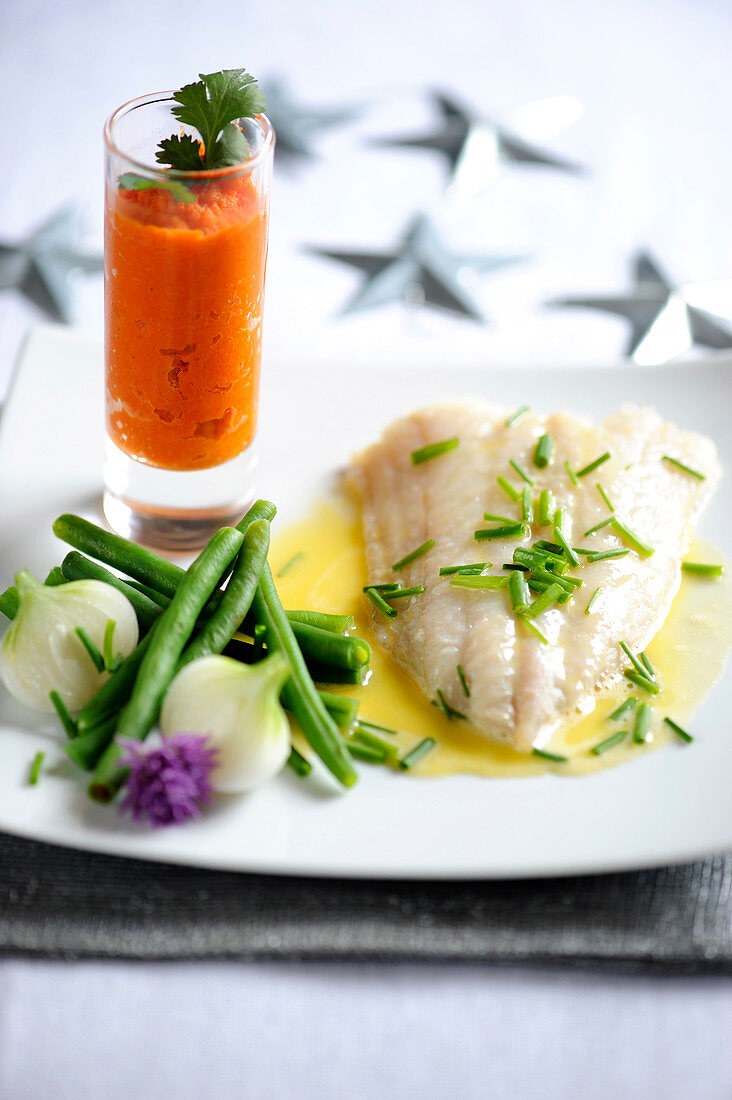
{"x": 688, "y": 654}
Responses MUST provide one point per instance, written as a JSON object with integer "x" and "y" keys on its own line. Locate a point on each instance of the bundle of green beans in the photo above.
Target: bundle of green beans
{"x": 174, "y": 605}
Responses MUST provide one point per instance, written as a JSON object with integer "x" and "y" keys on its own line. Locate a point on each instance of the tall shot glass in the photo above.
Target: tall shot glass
{"x": 184, "y": 266}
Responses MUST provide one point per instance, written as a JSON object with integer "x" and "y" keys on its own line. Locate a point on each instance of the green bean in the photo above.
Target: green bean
{"x": 161, "y": 659}
{"x": 86, "y": 749}
{"x": 298, "y": 763}
{"x": 326, "y": 674}
{"x": 151, "y": 593}
{"x": 299, "y": 693}
{"x": 237, "y": 597}
{"x": 336, "y": 624}
{"x": 76, "y": 567}
{"x": 326, "y": 648}
{"x": 55, "y": 577}
{"x": 341, "y": 708}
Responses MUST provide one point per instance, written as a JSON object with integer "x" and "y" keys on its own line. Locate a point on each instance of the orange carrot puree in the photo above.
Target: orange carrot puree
{"x": 184, "y": 289}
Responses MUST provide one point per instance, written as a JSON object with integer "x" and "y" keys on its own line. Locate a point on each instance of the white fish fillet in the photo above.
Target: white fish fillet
{"x": 520, "y": 689}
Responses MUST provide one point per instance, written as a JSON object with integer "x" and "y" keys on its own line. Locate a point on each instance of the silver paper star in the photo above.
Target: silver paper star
{"x": 418, "y": 271}
{"x": 476, "y": 147}
{"x": 42, "y": 266}
{"x": 665, "y": 320}
{"x": 295, "y": 125}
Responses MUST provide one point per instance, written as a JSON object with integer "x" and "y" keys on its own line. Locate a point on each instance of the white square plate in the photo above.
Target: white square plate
{"x": 668, "y": 807}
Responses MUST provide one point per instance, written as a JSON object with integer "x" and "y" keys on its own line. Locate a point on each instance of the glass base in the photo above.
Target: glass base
{"x": 175, "y": 509}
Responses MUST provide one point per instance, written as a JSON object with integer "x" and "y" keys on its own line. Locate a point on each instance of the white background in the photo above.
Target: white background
{"x": 654, "y": 79}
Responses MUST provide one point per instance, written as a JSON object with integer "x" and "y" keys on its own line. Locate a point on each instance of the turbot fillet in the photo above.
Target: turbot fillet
{"x": 521, "y": 689}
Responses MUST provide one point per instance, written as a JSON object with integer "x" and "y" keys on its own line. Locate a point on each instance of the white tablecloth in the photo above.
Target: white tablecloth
{"x": 654, "y": 78}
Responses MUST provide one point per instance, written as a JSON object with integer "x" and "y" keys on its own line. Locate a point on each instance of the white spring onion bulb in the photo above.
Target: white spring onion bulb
{"x": 41, "y": 651}
{"x": 237, "y": 706}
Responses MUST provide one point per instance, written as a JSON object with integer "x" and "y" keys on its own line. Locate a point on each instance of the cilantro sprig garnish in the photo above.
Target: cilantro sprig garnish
{"x": 212, "y": 106}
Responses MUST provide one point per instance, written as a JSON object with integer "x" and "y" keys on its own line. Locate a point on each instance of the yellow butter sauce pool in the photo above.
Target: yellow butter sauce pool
{"x": 688, "y": 653}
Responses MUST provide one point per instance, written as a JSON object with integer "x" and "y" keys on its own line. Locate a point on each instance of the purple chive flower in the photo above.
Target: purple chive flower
{"x": 169, "y": 784}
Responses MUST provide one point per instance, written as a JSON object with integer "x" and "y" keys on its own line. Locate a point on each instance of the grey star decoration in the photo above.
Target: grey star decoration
{"x": 42, "y": 266}
{"x": 476, "y": 147}
{"x": 665, "y": 320}
{"x": 418, "y": 271}
{"x": 295, "y": 125}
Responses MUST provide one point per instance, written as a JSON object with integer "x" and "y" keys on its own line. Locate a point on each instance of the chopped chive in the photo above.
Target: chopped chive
{"x": 567, "y": 583}
{"x": 622, "y": 709}
{"x": 592, "y": 599}
{"x": 642, "y": 724}
{"x": 466, "y": 570}
{"x": 379, "y": 602}
{"x": 593, "y": 465}
{"x": 678, "y": 730}
{"x": 648, "y": 667}
{"x": 572, "y": 474}
{"x": 546, "y": 508}
{"x": 363, "y": 752}
{"x": 494, "y": 517}
{"x": 62, "y": 711}
{"x": 35, "y": 768}
{"x": 686, "y": 469}
{"x": 568, "y": 550}
{"x": 549, "y": 547}
{"x": 632, "y": 538}
{"x": 553, "y": 756}
{"x": 433, "y": 450}
{"x": 415, "y": 590}
{"x": 89, "y": 646}
{"x": 527, "y": 510}
{"x": 293, "y": 561}
{"x": 534, "y": 629}
{"x": 519, "y": 591}
{"x": 543, "y": 452}
{"x": 505, "y": 531}
{"x": 442, "y": 704}
{"x": 414, "y": 554}
{"x": 598, "y": 527}
{"x": 520, "y": 413}
{"x": 491, "y": 584}
{"x": 521, "y": 472}
{"x": 609, "y": 742}
{"x": 604, "y": 496}
{"x": 383, "y": 587}
{"x": 637, "y": 664}
{"x": 463, "y": 681}
{"x": 298, "y": 763}
{"x": 702, "y": 569}
{"x": 641, "y": 681}
{"x": 604, "y": 555}
{"x": 365, "y": 724}
{"x": 508, "y": 489}
{"x": 560, "y": 514}
{"x": 420, "y": 750}
{"x": 365, "y": 737}
{"x": 514, "y": 565}
{"x": 544, "y": 601}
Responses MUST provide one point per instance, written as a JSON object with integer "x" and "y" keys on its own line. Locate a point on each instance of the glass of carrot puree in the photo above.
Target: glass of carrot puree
{"x": 184, "y": 264}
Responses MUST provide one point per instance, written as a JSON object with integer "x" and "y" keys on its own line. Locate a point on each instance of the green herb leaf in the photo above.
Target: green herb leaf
{"x": 212, "y": 105}
{"x": 131, "y": 181}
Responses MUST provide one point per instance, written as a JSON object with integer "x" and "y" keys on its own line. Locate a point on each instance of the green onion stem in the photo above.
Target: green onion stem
{"x": 544, "y": 601}
{"x": 70, "y": 726}
{"x": 433, "y": 450}
{"x": 96, "y": 657}
{"x": 568, "y": 550}
{"x": 467, "y": 570}
{"x": 527, "y": 510}
{"x": 420, "y": 750}
{"x": 491, "y": 584}
{"x": 505, "y": 531}
{"x": 543, "y": 452}
{"x": 546, "y": 508}
{"x": 702, "y": 569}
{"x": 687, "y": 469}
{"x": 413, "y": 555}
{"x": 593, "y": 465}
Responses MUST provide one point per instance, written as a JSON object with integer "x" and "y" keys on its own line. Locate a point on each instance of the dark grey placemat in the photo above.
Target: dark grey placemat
{"x": 56, "y": 901}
